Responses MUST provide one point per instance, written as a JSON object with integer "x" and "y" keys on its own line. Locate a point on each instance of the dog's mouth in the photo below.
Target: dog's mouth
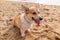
{"x": 36, "y": 21}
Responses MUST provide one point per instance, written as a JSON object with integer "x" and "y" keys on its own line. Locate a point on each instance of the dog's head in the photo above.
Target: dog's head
{"x": 32, "y": 14}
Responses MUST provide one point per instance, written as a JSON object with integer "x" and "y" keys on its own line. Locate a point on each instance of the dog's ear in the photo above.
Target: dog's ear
{"x": 25, "y": 8}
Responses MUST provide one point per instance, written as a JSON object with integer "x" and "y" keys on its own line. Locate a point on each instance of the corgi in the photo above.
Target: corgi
{"x": 24, "y": 21}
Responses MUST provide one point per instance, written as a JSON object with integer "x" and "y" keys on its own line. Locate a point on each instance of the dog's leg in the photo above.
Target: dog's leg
{"x": 22, "y": 32}
{"x": 31, "y": 27}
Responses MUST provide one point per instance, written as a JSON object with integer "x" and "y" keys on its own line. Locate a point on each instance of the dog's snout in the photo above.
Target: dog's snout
{"x": 40, "y": 18}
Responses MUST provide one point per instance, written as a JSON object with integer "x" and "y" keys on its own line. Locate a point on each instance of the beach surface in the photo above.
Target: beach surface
{"x": 49, "y": 28}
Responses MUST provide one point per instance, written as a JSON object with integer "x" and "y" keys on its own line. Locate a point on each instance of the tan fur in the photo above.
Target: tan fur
{"x": 17, "y": 22}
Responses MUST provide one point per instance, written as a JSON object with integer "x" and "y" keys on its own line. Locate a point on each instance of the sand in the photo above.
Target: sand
{"x": 49, "y": 28}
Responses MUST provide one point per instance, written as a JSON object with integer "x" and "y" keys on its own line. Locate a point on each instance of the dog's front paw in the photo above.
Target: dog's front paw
{"x": 22, "y": 35}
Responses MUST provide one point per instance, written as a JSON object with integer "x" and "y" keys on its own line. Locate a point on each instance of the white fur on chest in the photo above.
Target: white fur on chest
{"x": 25, "y": 24}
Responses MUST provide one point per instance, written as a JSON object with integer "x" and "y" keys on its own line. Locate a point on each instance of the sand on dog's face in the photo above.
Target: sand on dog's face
{"x": 48, "y": 29}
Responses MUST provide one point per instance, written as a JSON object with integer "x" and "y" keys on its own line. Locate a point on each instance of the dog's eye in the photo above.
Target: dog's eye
{"x": 34, "y": 12}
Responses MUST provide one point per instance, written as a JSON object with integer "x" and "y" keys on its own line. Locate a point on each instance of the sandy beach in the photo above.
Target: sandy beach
{"x": 49, "y": 28}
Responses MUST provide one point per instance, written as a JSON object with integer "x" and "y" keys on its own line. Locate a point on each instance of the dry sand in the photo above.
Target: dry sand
{"x": 49, "y": 28}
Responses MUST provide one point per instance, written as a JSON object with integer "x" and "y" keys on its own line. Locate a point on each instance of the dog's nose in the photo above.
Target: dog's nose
{"x": 40, "y": 18}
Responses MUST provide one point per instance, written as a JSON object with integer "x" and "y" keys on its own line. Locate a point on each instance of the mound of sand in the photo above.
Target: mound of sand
{"x": 48, "y": 30}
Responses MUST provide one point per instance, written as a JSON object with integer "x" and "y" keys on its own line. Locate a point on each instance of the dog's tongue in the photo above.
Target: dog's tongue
{"x": 37, "y": 21}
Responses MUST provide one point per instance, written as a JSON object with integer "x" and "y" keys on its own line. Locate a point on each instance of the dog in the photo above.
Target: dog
{"x": 24, "y": 21}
